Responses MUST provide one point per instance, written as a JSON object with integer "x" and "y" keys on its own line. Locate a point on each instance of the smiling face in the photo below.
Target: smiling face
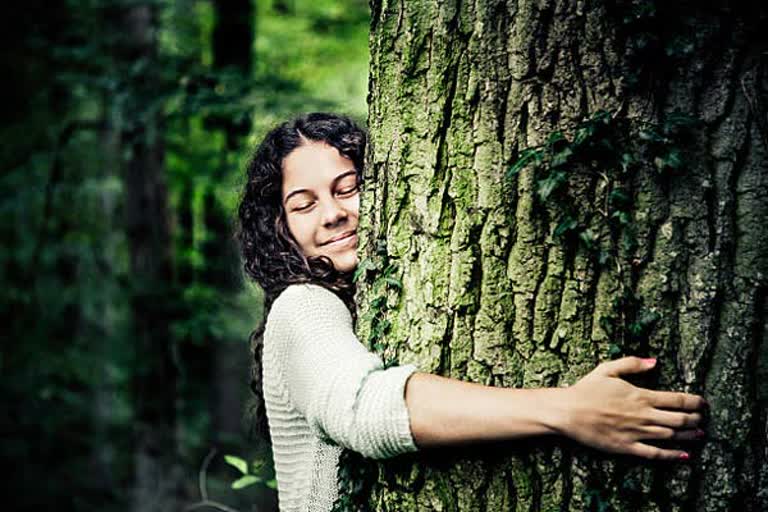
{"x": 322, "y": 203}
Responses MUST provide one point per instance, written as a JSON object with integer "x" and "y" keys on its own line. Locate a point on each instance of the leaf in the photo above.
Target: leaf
{"x": 603, "y": 257}
{"x": 551, "y": 183}
{"x": 635, "y": 329}
{"x": 391, "y": 269}
{"x": 245, "y": 481}
{"x": 379, "y": 302}
{"x": 588, "y": 238}
{"x": 568, "y": 224}
{"x": 237, "y": 463}
{"x": 619, "y": 197}
{"x": 650, "y": 135}
{"x": 526, "y": 157}
{"x": 561, "y": 157}
{"x": 623, "y": 217}
{"x": 272, "y": 484}
{"x": 614, "y": 350}
{"x": 555, "y": 137}
{"x": 674, "y": 159}
{"x": 627, "y": 159}
{"x": 628, "y": 242}
{"x": 364, "y": 266}
{"x": 394, "y": 282}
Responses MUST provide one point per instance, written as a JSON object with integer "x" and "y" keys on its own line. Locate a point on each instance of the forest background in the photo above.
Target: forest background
{"x": 126, "y": 129}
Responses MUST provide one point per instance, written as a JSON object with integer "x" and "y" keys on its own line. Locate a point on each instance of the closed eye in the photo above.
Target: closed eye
{"x": 303, "y": 206}
{"x": 347, "y": 191}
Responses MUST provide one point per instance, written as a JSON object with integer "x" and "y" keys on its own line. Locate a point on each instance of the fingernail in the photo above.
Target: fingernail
{"x": 699, "y": 433}
{"x": 650, "y": 361}
{"x": 684, "y": 456}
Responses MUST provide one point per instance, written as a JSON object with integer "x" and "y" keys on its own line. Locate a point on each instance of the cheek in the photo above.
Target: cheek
{"x": 300, "y": 227}
{"x": 352, "y": 205}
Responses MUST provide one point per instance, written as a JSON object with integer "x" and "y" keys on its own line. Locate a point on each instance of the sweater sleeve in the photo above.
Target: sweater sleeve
{"x": 340, "y": 387}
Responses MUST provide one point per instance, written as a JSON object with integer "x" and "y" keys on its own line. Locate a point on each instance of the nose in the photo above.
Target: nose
{"x": 333, "y": 213}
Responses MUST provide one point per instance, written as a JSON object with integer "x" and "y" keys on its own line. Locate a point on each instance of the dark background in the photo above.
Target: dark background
{"x": 126, "y": 127}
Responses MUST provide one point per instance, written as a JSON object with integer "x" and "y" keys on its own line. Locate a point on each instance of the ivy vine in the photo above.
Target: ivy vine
{"x": 358, "y": 474}
{"x": 612, "y": 148}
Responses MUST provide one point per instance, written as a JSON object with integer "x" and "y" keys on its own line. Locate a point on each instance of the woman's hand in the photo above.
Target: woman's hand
{"x": 606, "y": 412}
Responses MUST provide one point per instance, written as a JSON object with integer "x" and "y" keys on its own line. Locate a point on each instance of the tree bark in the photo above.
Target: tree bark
{"x": 490, "y": 294}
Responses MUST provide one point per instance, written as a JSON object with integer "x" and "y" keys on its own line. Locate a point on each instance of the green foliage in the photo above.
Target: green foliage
{"x": 237, "y": 463}
{"x": 249, "y": 475}
{"x": 382, "y": 275}
{"x": 356, "y": 477}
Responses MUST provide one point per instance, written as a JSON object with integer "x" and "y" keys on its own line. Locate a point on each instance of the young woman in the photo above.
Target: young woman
{"x": 323, "y": 390}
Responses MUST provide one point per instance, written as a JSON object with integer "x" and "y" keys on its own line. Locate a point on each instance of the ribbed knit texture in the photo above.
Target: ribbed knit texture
{"x": 324, "y": 391}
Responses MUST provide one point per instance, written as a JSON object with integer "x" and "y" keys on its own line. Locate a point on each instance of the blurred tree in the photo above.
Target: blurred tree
{"x": 157, "y": 471}
{"x": 232, "y": 45}
{"x": 556, "y": 184}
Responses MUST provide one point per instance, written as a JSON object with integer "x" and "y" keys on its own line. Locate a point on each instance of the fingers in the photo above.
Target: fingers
{"x": 678, "y": 420}
{"x": 654, "y": 452}
{"x": 695, "y": 434}
{"x": 675, "y": 400}
{"x": 666, "y": 433}
{"x": 626, "y": 365}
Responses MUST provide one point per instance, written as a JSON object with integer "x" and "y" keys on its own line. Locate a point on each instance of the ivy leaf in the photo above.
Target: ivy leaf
{"x": 623, "y": 217}
{"x": 588, "y": 238}
{"x": 561, "y": 157}
{"x": 391, "y": 269}
{"x": 363, "y": 267}
{"x": 628, "y": 242}
{"x": 650, "y": 135}
{"x": 237, "y": 463}
{"x": 567, "y": 224}
{"x": 394, "y": 282}
{"x": 526, "y": 157}
{"x": 378, "y": 302}
{"x": 583, "y": 133}
{"x": 607, "y": 323}
{"x": 674, "y": 159}
{"x": 627, "y": 159}
{"x": 245, "y": 481}
{"x": 551, "y": 183}
{"x": 619, "y": 197}
{"x": 555, "y": 137}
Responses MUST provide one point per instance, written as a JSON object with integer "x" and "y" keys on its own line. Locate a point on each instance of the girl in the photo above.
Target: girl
{"x": 322, "y": 390}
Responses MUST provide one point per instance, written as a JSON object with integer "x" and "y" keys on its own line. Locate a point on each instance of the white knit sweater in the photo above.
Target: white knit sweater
{"x": 324, "y": 391}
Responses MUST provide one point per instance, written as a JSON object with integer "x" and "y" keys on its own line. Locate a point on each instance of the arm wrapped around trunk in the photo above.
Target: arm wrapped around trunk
{"x": 340, "y": 387}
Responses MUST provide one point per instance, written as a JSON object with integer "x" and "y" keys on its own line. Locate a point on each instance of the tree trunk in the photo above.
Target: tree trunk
{"x": 531, "y": 280}
{"x": 232, "y": 43}
{"x": 157, "y": 473}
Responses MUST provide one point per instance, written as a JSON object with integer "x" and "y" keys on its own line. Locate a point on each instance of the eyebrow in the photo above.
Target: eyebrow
{"x": 333, "y": 183}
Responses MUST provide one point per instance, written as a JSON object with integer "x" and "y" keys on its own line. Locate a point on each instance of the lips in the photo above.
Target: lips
{"x": 339, "y": 238}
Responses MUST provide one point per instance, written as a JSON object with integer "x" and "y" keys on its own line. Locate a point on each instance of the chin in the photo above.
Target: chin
{"x": 345, "y": 263}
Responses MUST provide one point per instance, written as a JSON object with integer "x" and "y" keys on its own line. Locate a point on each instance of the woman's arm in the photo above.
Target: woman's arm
{"x": 601, "y": 410}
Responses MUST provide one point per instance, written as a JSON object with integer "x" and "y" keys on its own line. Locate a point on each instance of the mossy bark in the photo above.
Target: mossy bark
{"x": 490, "y": 295}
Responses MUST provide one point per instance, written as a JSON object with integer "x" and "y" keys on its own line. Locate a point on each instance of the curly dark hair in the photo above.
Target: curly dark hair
{"x": 271, "y": 256}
